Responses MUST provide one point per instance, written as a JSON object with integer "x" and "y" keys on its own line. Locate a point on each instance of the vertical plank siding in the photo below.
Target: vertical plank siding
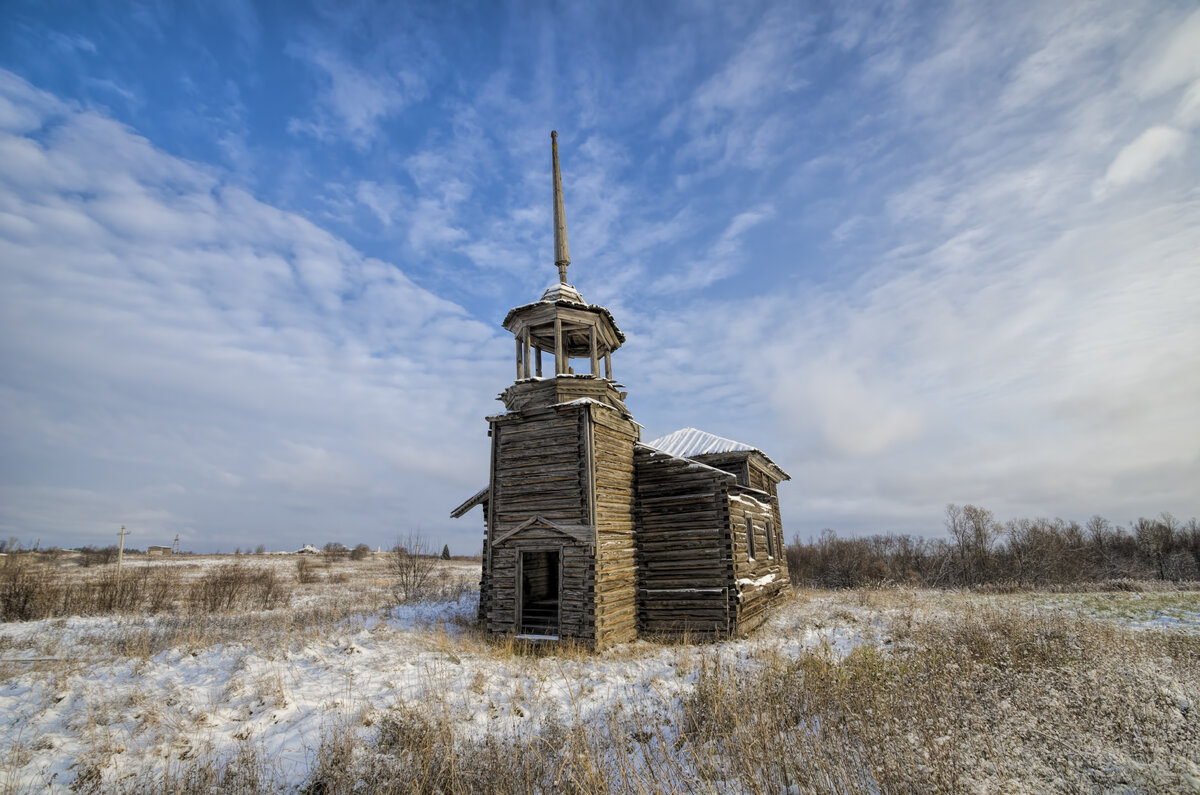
{"x": 612, "y": 441}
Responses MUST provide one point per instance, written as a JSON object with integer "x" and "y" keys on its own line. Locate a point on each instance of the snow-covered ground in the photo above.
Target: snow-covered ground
{"x": 122, "y": 696}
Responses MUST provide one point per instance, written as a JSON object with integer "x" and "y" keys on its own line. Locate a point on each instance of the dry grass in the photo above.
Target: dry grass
{"x": 936, "y": 692}
{"x": 31, "y": 589}
{"x": 983, "y": 700}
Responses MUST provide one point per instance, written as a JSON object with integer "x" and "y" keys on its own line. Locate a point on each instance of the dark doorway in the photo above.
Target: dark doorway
{"x": 539, "y": 592}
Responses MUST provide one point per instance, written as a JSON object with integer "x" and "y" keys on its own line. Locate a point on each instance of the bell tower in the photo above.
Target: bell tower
{"x": 559, "y": 558}
{"x": 563, "y": 325}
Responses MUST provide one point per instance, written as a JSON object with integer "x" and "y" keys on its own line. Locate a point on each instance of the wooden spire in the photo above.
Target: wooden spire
{"x": 562, "y": 257}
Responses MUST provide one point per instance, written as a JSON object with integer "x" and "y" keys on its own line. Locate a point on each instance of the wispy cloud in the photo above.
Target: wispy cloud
{"x": 724, "y": 257}
{"x": 1147, "y": 153}
{"x": 1001, "y": 345}
{"x": 920, "y": 254}
{"x": 352, "y": 103}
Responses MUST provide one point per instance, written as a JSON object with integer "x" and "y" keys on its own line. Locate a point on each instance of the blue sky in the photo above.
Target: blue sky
{"x": 253, "y": 256}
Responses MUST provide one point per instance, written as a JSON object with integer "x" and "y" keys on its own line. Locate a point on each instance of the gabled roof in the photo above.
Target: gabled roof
{"x": 687, "y": 442}
{"x": 691, "y": 443}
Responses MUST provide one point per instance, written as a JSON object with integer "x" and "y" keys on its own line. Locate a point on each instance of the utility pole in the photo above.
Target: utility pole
{"x": 175, "y": 546}
{"x": 120, "y": 554}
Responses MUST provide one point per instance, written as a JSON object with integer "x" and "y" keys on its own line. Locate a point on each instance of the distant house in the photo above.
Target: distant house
{"x": 308, "y": 549}
{"x": 158, "y": 551}
{"x": 591, "y": 534}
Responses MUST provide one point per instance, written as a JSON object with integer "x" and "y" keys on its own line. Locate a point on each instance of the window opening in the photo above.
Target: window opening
{"x": 750, "y": 537}
{"x": 770, "y": 541}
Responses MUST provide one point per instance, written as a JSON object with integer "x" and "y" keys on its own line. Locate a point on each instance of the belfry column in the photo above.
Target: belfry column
{"x": 559, "y": 348}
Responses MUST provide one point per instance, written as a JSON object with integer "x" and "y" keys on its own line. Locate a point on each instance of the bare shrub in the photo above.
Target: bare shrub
{"x": 24, "y": 593}
{"x": 306, "y": 571}
{"x": 234, "y": 585}
{"x": 411, "y": 566}
{"x": 161, "y": 590}
{"x": 113, "y": 594}
{"x": 97, "y": 556}
{"x": 360, "y": 552}
{"x": 220, "y": 588}
{"x": 269, "y": 590}
{"x": 30, "y": 591}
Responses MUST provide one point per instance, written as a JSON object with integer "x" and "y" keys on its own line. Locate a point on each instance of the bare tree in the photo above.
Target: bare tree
{"x": 1154, "y": 540}
{"x": 412, "y": 566}
{"x": 974, "y": 531}
{"x": 334, "y": 551}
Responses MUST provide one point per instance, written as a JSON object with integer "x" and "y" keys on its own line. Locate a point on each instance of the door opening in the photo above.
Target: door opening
{"x": 539, "y": 592}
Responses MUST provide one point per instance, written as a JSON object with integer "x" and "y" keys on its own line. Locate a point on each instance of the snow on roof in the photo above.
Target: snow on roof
{"x": 562, "y": 292}
{"x": 687, "y": 442}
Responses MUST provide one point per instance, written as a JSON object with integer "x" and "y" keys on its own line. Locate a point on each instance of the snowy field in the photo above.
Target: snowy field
{"x": 147, "y": 702}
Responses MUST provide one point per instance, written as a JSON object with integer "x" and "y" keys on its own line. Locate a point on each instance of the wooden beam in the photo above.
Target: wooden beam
{"x": 537, "y": 360}
{"x": 592, "y": 343}
{"x": 559, "y": 365}
{"x": 519, "y": 351}
{"x": 525, "y": 358}
{"x": 607, "y": 365}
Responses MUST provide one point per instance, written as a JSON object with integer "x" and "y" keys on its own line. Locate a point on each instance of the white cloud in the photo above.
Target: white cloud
{"x": 158, "y": 326}
{"x": 1147, "y": 153}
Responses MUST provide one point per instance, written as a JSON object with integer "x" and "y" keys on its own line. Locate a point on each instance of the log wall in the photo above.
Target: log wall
{"x": 760, "y": 478}
{"x": 539, "y": 468}
{"x": 649, "y": 543}
{"x": 685, "y": 576}
{"x": 760, "y": 582}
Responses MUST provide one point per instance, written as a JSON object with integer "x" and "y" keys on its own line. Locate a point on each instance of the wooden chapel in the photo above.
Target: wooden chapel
{"x": 591, "y": 535}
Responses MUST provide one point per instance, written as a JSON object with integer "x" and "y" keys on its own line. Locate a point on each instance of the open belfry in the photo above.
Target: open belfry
{"x": 593, "y": 536}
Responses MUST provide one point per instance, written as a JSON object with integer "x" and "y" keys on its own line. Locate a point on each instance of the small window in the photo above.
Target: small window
{"x": 770, "y": 541}
{"x": 750, "y": 537}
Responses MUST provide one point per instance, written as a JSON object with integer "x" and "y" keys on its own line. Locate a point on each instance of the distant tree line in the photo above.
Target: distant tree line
{"x": 1020, "y": 552}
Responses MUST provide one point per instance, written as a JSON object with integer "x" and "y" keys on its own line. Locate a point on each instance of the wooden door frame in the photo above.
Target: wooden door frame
{"x": 519, "y": 589}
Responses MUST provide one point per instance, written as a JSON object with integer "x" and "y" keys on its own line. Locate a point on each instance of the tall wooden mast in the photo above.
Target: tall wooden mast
{"x": 562, "y": 256}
